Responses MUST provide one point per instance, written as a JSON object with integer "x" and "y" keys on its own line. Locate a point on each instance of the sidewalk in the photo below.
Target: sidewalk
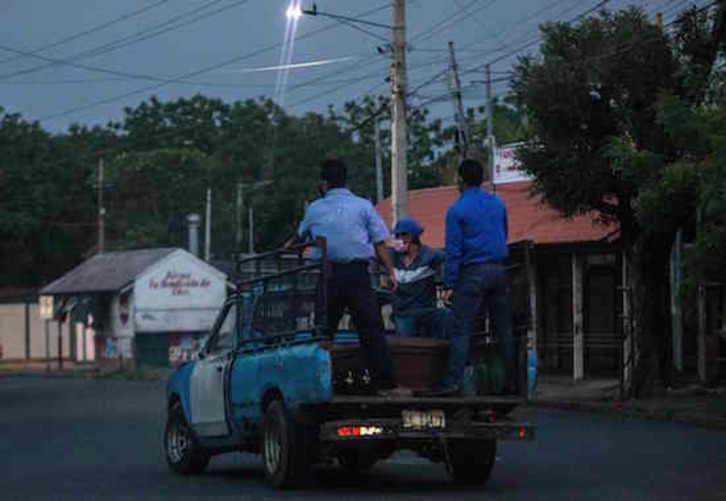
{"x": 86, "y": 370}
{"x": 47, "y": 368}
{"x": 692, "y": 405}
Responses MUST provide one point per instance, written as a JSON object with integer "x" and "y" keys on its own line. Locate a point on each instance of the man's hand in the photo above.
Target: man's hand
{"x": 385, "y": 258}
{"x": 447, "y": 296}
{"x": 393, "y": 282}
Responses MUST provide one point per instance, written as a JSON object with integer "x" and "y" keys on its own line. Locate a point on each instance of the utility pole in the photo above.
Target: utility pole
{"x": 462, "y": 140}
{"x": 251, "y": 228}
{"x": 240, "y": 207}
{"x": 208, "y": 226}
{"x": 101, "y": 209}
{"x": 490, "y": 126}
{"x": 399, "y": 168}
{"x": 379, "y": 167}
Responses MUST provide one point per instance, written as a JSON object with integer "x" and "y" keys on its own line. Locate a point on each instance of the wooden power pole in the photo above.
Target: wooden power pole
{"x": 101, "y": 209}
{"x": 462, "y": 140}
{"x": 399, "y": 168}
{"x": 490, "y": 125}
{"x": 379, "y": 167}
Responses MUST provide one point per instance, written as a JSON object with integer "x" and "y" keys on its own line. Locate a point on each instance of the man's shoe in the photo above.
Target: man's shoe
{"x": 441, "y": 391}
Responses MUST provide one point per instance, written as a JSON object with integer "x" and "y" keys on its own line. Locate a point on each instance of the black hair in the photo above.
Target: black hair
{"x": 334, "y": 172}
{"x": 471, "y": 172}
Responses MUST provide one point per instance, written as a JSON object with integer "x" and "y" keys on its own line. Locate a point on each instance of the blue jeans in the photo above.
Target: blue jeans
{"x": 431, "y": 322}
{"x": 487, "y": 283}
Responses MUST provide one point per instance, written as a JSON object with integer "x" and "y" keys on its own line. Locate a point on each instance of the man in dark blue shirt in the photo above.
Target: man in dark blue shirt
{"x": 476, "y": 247}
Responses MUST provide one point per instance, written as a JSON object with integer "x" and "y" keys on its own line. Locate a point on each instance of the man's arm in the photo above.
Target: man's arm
{"x": 453, "y": 249}
{"x": 384, "y": 257}
{"x": 302, "y": 231}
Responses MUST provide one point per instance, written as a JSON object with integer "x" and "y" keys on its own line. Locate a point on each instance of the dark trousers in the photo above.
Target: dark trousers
{"x": 486, "y": 283}
{"x": 349, "y": 285}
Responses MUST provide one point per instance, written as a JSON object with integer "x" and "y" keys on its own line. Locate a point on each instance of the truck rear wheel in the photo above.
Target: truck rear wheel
{"x": 286, "y": 447}
{"x": 471, "y": 462}
{"x": 184, "y": 454}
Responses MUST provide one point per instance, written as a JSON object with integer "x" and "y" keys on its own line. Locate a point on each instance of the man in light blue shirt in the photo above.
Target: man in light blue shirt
{"x": 355, "y": 235}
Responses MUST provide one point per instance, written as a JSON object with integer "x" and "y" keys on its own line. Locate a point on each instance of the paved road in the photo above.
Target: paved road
{"x": 77, "y": 439}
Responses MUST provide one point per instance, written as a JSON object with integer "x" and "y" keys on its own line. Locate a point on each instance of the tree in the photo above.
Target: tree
{"x": 598, "y": 145}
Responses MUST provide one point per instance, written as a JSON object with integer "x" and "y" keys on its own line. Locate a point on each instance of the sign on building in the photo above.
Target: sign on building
{"x": 46, "y": 307}
{"x": 507, "y": 168}
{"x": 181, "y": 293}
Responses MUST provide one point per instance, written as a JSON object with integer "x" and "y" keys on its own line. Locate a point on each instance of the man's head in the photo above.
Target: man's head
{"x": 471, "y": 173}
{"x": 407, "y": 232}
{"x": 334, "y": 173}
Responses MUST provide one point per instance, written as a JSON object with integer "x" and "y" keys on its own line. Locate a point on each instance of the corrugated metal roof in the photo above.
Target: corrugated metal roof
{"x": 108, "y": 272}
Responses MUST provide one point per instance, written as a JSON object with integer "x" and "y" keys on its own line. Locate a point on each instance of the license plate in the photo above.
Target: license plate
{"x": 423, "y": 420}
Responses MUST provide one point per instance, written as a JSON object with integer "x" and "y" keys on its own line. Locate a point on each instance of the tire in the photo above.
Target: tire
{"x": 471, "y": 462}
{"x": 184, "y": 454}
{"x": 286, "y": 448}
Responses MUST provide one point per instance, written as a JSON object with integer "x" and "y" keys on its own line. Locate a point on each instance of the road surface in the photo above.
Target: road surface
{"x": 84, "y": 439}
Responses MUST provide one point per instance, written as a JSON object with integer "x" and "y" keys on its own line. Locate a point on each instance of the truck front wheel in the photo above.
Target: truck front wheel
{"x": 183, "y": 453}
{"x": 286, "y": 447}
{"x": 471, "y": 462}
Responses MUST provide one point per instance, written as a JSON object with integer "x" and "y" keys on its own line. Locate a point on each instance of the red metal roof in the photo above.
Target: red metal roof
{"x": 529, "y": 218}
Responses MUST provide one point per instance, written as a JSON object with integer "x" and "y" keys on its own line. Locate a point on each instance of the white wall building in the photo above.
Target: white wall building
{"x": 150, "y": 306}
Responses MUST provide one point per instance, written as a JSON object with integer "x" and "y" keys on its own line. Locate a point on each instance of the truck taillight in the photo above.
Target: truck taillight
{"x": 359, "y": 431}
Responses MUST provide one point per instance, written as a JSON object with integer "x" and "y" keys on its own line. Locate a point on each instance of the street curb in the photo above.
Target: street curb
{"x": 88, "y": 375}
{"x": 663, "y": 415}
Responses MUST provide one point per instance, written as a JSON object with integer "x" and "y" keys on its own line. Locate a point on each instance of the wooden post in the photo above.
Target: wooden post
{"x": 627, "y": 357}
{"x": 533, "y": 316}
{"x": 60, "y": 343}
{"x": 702, "y": 359}
{"x": 578, "y": 341}
{"x": 27, "y": 329}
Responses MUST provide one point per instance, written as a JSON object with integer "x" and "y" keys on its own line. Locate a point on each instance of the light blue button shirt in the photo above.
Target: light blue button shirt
{"x": 350, "y": 224}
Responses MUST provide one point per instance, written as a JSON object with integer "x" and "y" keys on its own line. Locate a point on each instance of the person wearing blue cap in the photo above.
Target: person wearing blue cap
{"x": 414, "y": 300}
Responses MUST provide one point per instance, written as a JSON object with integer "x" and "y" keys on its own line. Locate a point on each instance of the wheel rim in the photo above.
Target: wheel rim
{"x": 273, "y": 448}
{"x": 177, "y": 442}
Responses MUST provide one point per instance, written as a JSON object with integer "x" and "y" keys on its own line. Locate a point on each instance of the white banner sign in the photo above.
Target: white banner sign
{"x": 507, "y": 168}
{"x": 46, "y": 307}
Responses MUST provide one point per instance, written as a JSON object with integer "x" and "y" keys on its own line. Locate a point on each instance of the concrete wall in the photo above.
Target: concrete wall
{"x": 12, "y": 333}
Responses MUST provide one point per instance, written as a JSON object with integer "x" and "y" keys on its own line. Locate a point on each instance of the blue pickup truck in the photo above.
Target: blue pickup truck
{"x": 271, "y": 381}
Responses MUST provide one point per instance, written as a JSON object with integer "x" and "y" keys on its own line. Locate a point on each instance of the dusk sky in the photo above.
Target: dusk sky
{"x": 59, "y": 64}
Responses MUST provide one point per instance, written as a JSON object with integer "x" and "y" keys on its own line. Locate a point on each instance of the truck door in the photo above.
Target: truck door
{"x": 208, "y": 380}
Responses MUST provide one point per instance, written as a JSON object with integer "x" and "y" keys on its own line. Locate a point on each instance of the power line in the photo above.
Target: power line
{"x": 164, "y": 82}
{"x": 83, "y": 33}
{"x": 458, "y": 14}
{"x": 154, "y": 31}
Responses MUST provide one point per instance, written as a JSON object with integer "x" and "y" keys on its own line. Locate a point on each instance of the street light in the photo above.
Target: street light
{"x": 294, "y": 11}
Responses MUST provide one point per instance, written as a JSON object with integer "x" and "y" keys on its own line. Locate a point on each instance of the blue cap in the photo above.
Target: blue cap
{"x": 408, "y": 225}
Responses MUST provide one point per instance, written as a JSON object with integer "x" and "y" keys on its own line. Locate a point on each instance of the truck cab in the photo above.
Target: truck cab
{"x": 271, "y": 380}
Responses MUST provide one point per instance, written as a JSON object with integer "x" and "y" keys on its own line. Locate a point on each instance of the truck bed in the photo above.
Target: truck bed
{"x": 418, "y": 364}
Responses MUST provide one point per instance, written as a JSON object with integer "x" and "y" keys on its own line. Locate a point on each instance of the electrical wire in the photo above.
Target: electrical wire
{"x": 162, "y": 82}
{"x": 88, "y": 31}
{"x": 168, "y": 25}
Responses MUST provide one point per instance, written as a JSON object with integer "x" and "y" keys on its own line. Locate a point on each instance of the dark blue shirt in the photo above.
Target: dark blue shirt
{"x": 416, "y": 290}
{"x": 476, "y": 232}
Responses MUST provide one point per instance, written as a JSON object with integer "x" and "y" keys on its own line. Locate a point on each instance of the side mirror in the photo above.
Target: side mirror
{"x": 203, "y": 347}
